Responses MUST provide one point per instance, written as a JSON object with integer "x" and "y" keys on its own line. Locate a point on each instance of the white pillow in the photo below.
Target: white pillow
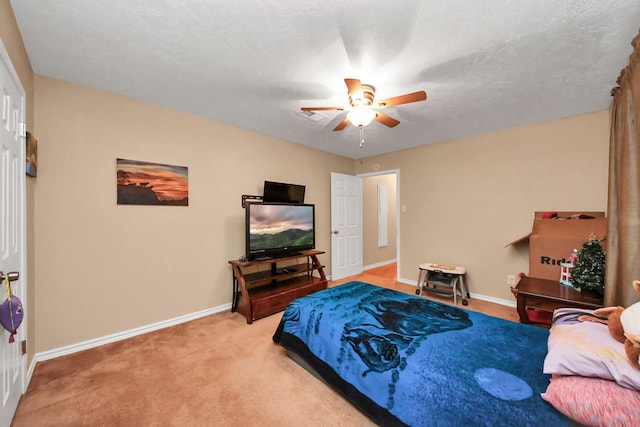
{"x": 586, "y": 348}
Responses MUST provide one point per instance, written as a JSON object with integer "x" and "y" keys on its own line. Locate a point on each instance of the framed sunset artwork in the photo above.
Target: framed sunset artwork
{"x": 146, "y": 183}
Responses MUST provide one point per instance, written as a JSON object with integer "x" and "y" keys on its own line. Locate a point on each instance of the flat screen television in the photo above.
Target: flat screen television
{"x": 279, "y": 192}
{"x": 278, "y": 229}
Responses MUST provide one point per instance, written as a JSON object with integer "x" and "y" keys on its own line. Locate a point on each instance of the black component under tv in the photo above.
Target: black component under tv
{"x": 276, "y": 230}
{"x": 279, "y": 192}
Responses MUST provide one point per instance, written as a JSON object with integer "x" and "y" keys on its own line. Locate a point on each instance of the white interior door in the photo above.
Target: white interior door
{"x": 346, "y": 225}
{"x": 12, "y": 228}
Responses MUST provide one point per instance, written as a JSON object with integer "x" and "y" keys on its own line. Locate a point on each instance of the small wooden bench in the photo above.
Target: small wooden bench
{"x": 443, "y": 279}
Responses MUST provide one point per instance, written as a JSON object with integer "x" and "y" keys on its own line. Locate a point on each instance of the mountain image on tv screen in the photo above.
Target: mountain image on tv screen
{"x": 278, "y": 226}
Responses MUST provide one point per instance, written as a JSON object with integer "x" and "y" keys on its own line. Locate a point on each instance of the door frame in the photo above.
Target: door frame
{"x": 352, "y": 269}
{"x": 395, "y": 172}
{"x": 21, "y": 199}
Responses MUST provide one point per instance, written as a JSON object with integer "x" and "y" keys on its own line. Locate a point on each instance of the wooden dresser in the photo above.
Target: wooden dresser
{"x": 547, "y": 295}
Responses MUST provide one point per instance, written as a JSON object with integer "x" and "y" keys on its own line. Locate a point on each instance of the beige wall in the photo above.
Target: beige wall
{"x": 101, "y": 268}
{"x": 105, "y": 268}
{"x": 467, "y": 198}
{"x": 371, "y": 253}
{"x": 12, "y": 41}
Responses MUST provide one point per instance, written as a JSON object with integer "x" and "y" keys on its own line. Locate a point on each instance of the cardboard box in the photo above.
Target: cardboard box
{"x": 552, "y": 241}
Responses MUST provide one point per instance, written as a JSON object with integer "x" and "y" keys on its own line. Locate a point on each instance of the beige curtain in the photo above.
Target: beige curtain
{"x": 623, "y": 241}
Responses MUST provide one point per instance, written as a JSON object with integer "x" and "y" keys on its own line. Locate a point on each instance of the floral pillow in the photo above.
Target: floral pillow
{"x": 580, "y": 345}
{"x": 594, "y": 401}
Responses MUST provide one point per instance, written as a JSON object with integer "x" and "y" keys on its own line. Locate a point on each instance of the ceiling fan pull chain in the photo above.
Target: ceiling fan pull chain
{"x": 361, "y": 136}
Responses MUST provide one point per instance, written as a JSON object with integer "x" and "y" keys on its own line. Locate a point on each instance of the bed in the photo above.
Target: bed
{"x": 405, "y": 360}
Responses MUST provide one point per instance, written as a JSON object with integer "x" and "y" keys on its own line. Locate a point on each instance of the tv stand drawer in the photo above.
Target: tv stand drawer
{"x": 273, "y": 304}
{"x": 260, "y": 294}
{"x": 282, "y": 296}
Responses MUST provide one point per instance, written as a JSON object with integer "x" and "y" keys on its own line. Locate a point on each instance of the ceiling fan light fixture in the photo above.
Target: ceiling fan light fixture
{"x": 361, "y": 117}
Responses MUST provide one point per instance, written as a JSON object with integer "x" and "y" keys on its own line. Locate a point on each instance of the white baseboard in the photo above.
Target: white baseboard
{"x": 378, "y": 264}
{"x": 85, "y": 345}
{"x": 500, "y": 301}
{"x": 508, "y": 303}
{"x": 96, "y": 342}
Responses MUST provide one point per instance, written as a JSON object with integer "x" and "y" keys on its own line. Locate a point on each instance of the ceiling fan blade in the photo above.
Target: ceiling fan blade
{"x": 403, "y": 99}
{"x": 343, "y": 124}
{"x": 354, "y": 88}
{"x": 386, "y": 120}
{"x": 322, "y": 108}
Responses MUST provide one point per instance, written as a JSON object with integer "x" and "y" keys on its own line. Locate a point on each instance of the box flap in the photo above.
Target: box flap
{"x": 518, "y": 240}
{"x": 579, "y": 228}
{"x": 564, "y": 224}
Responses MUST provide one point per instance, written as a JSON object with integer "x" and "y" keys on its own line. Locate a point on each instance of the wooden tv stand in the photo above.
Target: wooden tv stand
{"x": 264, "y": 287}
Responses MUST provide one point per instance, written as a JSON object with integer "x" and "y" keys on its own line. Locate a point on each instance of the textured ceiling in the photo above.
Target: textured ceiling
{"x": 485, "y": 65}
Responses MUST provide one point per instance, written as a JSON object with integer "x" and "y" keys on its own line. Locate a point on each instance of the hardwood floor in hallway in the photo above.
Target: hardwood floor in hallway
{"x": 386, "y": 276}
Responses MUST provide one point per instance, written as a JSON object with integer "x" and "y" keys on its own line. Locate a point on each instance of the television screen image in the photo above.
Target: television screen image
{"x": 280, "y": 192}
{"x": 275, "y": 229}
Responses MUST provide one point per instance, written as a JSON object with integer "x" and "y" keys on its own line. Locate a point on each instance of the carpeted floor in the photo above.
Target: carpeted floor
{"x": 213, "y": 371}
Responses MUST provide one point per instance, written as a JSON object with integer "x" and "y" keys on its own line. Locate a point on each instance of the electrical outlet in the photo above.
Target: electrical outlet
{"x": 511, "y": 279}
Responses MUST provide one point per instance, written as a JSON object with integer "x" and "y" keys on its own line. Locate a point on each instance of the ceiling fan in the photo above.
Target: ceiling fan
{"x": 363, "y": 106}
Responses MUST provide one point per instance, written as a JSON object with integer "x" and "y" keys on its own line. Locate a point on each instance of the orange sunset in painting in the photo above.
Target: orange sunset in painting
{"x": 144, "y": 183}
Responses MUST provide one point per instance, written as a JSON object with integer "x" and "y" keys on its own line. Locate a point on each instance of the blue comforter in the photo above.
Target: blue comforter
{"x": 406, "y": 360}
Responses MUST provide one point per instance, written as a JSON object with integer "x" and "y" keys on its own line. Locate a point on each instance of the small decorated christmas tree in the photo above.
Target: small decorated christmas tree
{"x": 588, "y": 271}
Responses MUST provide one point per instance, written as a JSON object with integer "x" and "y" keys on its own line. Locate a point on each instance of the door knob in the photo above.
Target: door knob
{"x": 13, "y": 276}
{"x": 336, "y": 232}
